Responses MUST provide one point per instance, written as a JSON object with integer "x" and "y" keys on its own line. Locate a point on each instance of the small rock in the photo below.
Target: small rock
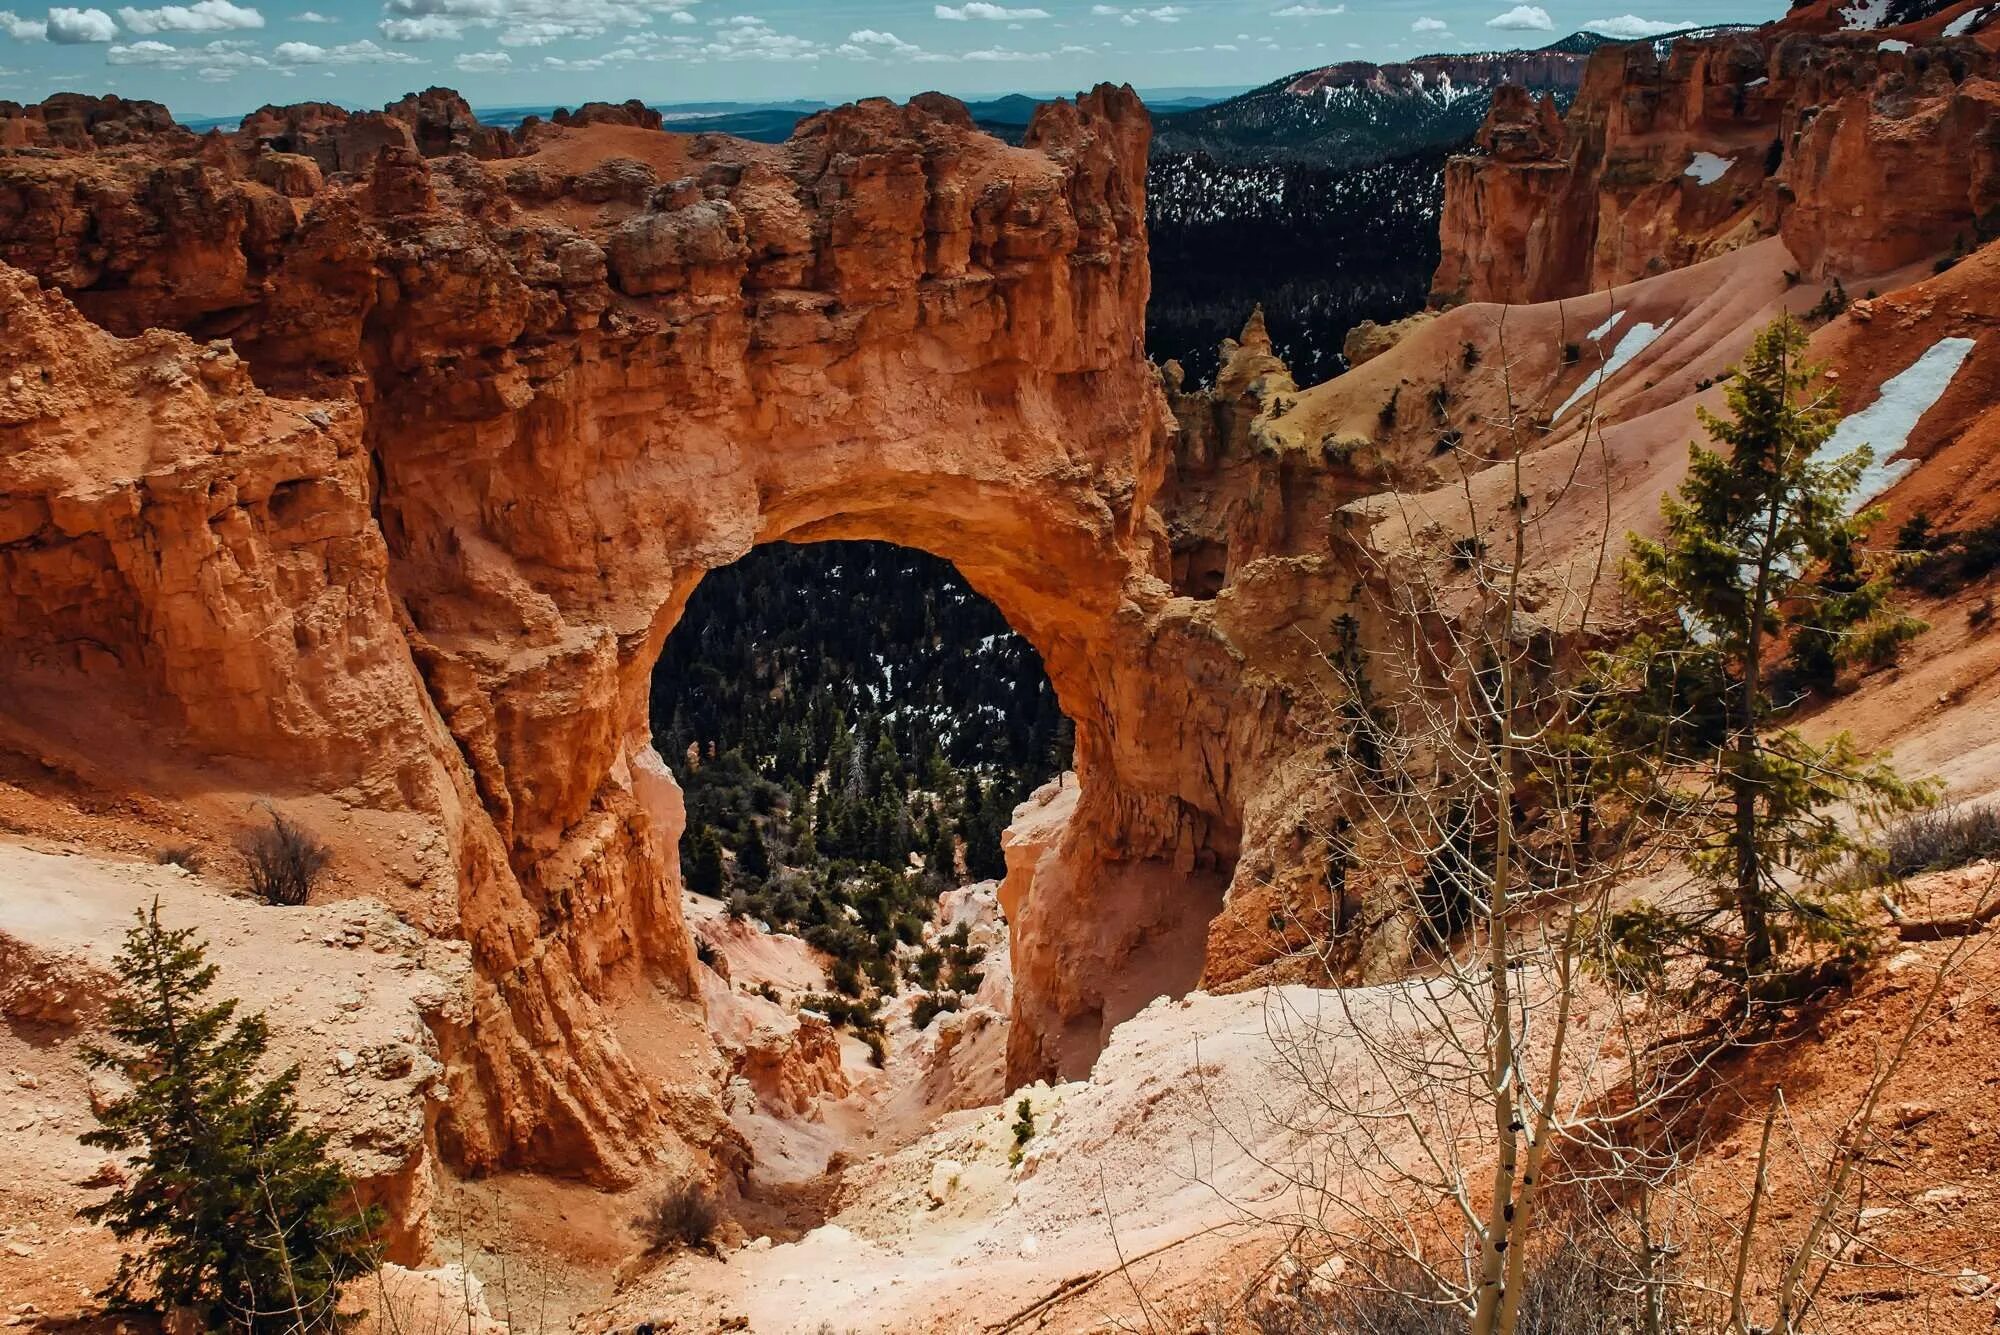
{"x": 944, "y": 1180}
{"x": 1908, "y": 1115}
{"x": 1324, "y": 1281}
{"x": 344, "y": 1061}
{"x": 19, "y": 1249}
{"x": 1972, "y": 1284}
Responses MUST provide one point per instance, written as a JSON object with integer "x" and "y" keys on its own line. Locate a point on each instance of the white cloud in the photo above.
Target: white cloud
{"x": 997, "y": 55}
{"x": 422, "y": 28}
{"x": 201, "y": 16}
{"x": 1631, "y": 25}
{"x": 347, "y": 53}
{"x": 1131, "y": 18}
{"x": 540, "y": 32}
{"x": 747, "y": 37}
{"x": 1430, "y": 25}
{"x": 1523, "y": 18}
{"x": 483, "y": 62}
{"x": 312, "y": 16}
{"x": 1311, "y": 11}
{"x": 869, "y": 44}
{"x": 524, "y": 22}
{"x": 23, "y": 30}
{"x": 212, "y": 61}
{"x": 979, "y": 9}
{"x": 74, "y": 27}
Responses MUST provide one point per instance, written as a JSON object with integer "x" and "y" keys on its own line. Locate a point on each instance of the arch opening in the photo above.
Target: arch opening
{"x": 855, "y": 725}
{"x": 852, "y": 727}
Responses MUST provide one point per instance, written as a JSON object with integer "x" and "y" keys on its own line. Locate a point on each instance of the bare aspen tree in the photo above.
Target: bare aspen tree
{"x": 1432, "y": 1107}
{"x": 1507, "y": 1139}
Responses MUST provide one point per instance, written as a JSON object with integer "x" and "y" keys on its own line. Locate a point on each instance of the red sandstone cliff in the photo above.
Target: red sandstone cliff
{"x": 533, "y": 398}
{"x": 1865, "y": 151}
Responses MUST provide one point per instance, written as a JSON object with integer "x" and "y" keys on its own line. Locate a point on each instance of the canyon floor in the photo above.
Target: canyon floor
{"x": 1152, "y": 1195}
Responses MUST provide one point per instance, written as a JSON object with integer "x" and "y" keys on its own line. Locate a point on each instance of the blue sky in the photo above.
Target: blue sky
{"x": 214, "y": 57}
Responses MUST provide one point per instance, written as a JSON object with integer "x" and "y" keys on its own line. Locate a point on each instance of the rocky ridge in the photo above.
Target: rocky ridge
{"x": 414, "y": 533}
{"x": 1864, "y": 150}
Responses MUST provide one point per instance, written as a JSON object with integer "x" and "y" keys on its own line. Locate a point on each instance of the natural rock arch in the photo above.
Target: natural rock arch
{"x": 534, "y": 398}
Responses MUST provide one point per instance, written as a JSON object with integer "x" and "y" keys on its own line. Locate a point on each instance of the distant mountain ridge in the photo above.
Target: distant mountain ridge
{"x": 1358, "y": 112}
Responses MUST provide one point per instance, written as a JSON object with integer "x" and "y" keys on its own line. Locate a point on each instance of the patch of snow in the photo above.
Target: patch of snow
{"x": 1891, "y": 44}
{"x": 1757, "y": 82}
{"x": 1885, "y": 424}
{"x": 1864, "y": 14}
{"x": 1962, "y": 25}
{"x": 1610, "y": 323}
{"x": 1636, "y": 340}
{"x": 1707, "y": 168}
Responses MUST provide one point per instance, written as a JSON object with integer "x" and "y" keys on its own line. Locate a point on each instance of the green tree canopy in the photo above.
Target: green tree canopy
{"x": 242, "y": 1214}
{"x": 1760, "y": 557}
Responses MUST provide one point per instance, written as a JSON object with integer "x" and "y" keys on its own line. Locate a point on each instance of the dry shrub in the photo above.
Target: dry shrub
{"x": 184, "y": 856}
{"x": 1569, "y": 1291}
{"x": 285, "y": 860}
{"x": 677, "y": 1218}
{"x": 1936, "y": 840}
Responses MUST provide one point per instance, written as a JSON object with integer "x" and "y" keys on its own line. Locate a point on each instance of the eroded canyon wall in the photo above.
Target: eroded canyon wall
{"x": 487, "y": 408}
{"x": 1863, "y": 150}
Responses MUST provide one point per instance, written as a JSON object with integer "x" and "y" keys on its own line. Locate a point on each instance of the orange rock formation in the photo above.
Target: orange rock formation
{"x": 414, "y": 533}
{"x": 1865, "y": 153}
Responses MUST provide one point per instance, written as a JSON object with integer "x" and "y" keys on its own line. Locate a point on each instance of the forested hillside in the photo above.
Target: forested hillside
{"x": 1318, "y": 195}
{"x": 1321, "y": 248}
{"x": 853, "y": 727}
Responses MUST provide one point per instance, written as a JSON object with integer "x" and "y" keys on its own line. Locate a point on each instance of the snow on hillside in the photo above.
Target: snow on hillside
{"x": 1635, "y": 341}
{"x": 1885, "y": 425}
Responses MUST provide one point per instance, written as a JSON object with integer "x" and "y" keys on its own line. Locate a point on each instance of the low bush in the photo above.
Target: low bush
{"x": 183, "y": 856}
{"x": 682, "y": 1218}
{"x": 1569, "y": 1292}
{"x": 285, "y": 860}
{"x": 1946, "y": 562}
{"x": 1023, "y": 1129}
{"x": 844, "y": 1012}
{"x": 1944, "y": 837}
{"x": 1387, "y": 415}
{"x": 930, "y": 1005}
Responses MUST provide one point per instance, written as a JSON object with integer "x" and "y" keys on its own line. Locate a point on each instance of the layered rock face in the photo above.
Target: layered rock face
{"x": 1865, "y": 151}
{"x": 415, "y": 533}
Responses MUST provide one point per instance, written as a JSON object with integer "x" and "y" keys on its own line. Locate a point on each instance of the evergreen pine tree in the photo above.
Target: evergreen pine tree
{"x": 752, "y": 858}
{"x": 1062, "y": 745}
{"x": 701, "y": 861}
{"x": 243, "y": 1216}
{"x": 1730, "y": 582}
